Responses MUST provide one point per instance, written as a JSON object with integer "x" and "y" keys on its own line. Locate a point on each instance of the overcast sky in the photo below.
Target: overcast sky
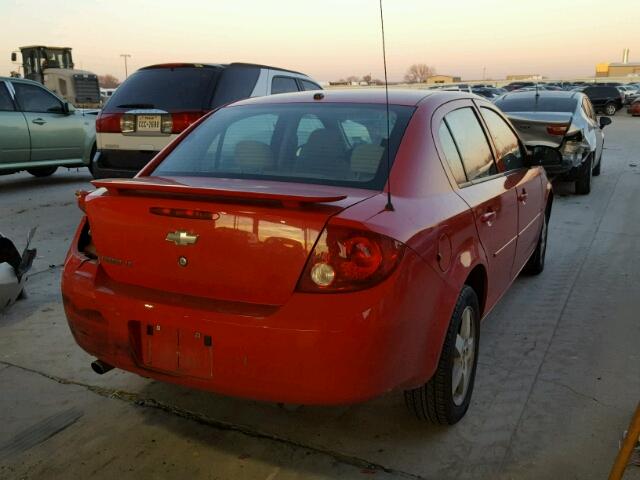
{"x": 330, "y": 39}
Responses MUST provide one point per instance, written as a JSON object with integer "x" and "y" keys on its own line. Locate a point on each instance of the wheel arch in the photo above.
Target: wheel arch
{"x": 477, "y": 280}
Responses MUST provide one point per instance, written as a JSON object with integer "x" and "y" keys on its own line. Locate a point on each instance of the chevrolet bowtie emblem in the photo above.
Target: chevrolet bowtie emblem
{"x": 181, "y": 238}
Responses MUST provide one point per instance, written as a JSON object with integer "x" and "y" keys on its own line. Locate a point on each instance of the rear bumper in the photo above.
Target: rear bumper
{"x": 120, "y": 163}
{"x": 569, "y": 169}
{"x": 315, "y": 349}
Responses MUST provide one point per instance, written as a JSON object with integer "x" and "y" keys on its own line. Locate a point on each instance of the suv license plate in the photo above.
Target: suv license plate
{"x": 148, "y": 123}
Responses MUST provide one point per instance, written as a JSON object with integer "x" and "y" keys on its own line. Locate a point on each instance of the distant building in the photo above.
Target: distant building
{"x": 527, "y": 76}
{"x": 443, "y": 79}
{"x": 617, "y": 69}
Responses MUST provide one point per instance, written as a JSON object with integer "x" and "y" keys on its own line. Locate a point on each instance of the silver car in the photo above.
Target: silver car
{"x": 563, "y": 120}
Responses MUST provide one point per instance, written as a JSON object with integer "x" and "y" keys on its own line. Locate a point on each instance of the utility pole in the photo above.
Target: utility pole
{"x": 125, "y": 56}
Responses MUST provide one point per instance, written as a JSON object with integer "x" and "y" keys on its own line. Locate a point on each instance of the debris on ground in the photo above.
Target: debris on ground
{"x": 13, "y": 268}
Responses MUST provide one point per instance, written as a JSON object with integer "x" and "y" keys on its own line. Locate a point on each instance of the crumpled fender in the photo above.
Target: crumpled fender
{"x": 13, "y": 268}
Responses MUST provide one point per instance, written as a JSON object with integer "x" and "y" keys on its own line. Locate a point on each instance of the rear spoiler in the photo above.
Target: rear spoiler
{"x": 160, "y": 186}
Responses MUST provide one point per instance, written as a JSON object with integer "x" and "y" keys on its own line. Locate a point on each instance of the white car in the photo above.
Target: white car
{"x": 155, "y": 104}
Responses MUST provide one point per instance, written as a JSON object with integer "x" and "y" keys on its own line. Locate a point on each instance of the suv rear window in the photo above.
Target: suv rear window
{"x": 543, "y": 103}
{"x": 171, "y": 89}
{"x": 343, "y": 144}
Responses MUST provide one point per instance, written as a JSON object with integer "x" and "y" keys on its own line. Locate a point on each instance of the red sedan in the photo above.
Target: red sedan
{"x": 259, "y": 255}
{"x": 634, "y": 108}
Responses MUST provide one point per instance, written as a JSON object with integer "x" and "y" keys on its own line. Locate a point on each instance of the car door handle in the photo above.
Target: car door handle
{"x": 38, "y": 121}
{"x": 488, "y": 217}
{"x": 522, "y": 197}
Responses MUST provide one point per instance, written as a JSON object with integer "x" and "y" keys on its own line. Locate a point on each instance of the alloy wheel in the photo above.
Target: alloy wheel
{"x": 464, "y": 357}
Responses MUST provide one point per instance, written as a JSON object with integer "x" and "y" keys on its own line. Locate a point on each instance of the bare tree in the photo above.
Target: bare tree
{"x": 367, "y": 78}
{"x": 419, "y": 72}
{"x": 108, "y": 81}
{"x": 352, "y": 79}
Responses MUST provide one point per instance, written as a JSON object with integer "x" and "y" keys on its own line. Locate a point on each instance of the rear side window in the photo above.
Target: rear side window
{"x": 283, "y": 85}
{"x": 451, "y": 153}
{"x": 308, "y": 124}
{"x": 472, "y": 143}
{"x": 307, "y": 85}
{"x": 506, "y": 142}
{"x": 6, "y": 104}
{"x": 588, "y": 108}
{"x": 35, "y": 99}
{"x": 187, "y": 89}
{"x": 235, "y": 83}
{"x": 327, "y": 144}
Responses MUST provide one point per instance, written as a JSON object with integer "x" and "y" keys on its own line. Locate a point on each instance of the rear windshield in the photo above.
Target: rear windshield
{"x": 328, "y": 144}
{"x": 542, "y": 103}
{"x": 170, "y": 89}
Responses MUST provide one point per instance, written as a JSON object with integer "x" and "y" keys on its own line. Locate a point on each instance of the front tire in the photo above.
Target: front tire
{"x": 610, "y": 109}
{"x": 583, "y": 183}
{"x": 42, "y": 171}
{"x": 445, "y": 398}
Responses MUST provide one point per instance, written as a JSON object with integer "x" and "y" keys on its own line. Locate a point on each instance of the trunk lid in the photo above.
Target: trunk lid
{"x": 232, "y": 240}
{"x": 534, "y": 127}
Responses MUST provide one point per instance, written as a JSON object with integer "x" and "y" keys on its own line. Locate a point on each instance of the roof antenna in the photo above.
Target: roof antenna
{"x": 389, "y": 205}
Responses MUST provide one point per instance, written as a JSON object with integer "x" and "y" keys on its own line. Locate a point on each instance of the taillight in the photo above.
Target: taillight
{"x": 108, "y": 123}
{"x": 557, "y": 130}
{"x": 180, "y": 121}
{"x": 346, "y": 259}
{"x": 128, "y": 123}
{"x": 81, "y": 195}
{"x": 85, "y": 242}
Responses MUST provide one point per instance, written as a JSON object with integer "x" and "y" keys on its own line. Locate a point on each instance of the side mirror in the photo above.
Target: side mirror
{"x": 545, "y": 156}
{"x": 14, "y": 57}
{"x": 604, "y": 121}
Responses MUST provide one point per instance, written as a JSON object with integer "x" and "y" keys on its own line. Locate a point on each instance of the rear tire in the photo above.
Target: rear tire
{"x": 610, "y": 109}
{"x": 42, "y": 171}
{"x": 535, "y": 264}
{"x": 445, "y": 398}
{"x": 583, "y": 183}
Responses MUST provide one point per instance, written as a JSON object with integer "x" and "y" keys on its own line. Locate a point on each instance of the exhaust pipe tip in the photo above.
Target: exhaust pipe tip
{"x": 101, "y": 367}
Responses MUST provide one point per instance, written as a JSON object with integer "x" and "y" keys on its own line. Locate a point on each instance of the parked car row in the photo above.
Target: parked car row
{"x": 358, "y": 236}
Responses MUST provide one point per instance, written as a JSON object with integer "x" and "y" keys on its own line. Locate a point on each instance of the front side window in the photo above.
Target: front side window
{"x": 283, "y": 85}
{"x": 6, "y": 104}
{"x": 508, "y": 150}
{"x": 32, "y": 98}
{"x": 328, "y": 144}
{"x": 472, "y": 143}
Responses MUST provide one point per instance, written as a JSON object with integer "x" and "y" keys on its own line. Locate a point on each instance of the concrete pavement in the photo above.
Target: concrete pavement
{"x": 557, "y": 382}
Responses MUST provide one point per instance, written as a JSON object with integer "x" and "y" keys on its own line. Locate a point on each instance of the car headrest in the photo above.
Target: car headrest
{"x": 324, "y": 151}
{"x": 253, "y": 156}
